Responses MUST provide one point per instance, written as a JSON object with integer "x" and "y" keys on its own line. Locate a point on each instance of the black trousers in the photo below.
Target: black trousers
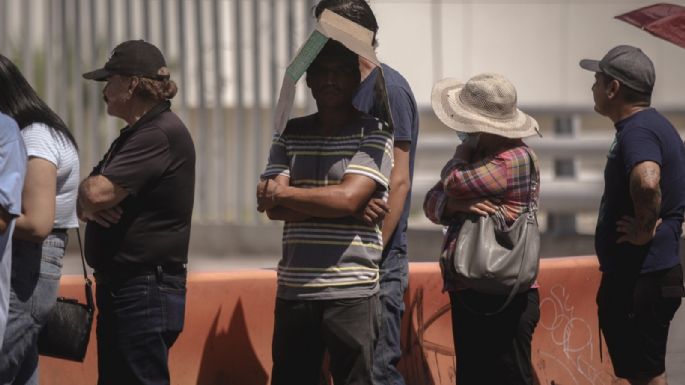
{"x": 496, "y": 349}
{"x": 635, "y": 313}
{"x": 303, "y": 330}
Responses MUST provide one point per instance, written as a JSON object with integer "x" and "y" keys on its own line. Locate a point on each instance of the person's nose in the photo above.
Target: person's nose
{"x": 329, "y": 78}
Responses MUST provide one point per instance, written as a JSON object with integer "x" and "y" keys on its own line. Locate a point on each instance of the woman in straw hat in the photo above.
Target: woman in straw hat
{"x": 490, "y": 173}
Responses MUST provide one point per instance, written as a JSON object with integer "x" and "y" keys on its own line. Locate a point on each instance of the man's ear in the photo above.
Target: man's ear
{"x": 135, "y": 80}
{"x": 612, "y": 89}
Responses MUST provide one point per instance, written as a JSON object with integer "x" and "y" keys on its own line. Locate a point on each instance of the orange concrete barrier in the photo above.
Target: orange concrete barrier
{"x": 229, "y": 322}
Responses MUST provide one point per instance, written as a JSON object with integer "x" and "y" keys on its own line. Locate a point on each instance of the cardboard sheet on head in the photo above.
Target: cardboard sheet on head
{"x": 353, "y": 36}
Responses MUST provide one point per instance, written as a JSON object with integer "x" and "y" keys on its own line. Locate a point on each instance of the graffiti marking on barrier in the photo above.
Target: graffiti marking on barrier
{"x": 573, "y": 335}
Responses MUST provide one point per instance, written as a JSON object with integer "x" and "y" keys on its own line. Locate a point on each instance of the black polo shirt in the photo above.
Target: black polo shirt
{"x": 154, "y": 160}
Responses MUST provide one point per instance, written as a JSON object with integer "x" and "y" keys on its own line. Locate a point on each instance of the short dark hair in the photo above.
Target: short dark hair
{"x": 628, "y": 94}
{"x": 358, "y": 11}
{"x": 21, "y": 102}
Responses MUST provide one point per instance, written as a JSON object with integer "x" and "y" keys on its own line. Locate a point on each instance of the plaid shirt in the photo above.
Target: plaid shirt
{"x": 504, "y": 177}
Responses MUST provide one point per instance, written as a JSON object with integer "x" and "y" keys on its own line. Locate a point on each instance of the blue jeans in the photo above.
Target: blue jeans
{"x": 139, "y": 319}
{"x": 393, "y": 284}
{"x": 36, "y": 270}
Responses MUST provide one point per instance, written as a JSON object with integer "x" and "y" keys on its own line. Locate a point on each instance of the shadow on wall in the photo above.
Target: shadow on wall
{"x": 220, "y": 358}
{"x": 418, "y": 350}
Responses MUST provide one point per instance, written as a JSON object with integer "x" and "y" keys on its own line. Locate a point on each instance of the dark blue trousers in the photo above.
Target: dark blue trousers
{"x": 139, "y": 319}
{"x": 393, "y": 284}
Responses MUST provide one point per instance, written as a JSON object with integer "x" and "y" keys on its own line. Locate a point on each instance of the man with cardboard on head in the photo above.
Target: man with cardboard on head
{"x": 322, "y": 170}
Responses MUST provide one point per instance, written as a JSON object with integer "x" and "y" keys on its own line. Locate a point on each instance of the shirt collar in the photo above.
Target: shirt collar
{"x": 622, "y": 123}
{"x": 148, "y": 116}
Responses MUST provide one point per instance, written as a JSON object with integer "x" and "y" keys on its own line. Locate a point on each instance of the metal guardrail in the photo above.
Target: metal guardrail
{"x": 544, "y": 147}
{"x": 557, "y": 195}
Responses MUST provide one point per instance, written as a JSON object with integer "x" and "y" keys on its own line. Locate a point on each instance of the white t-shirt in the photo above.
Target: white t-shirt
{"x": 45, "y": 143}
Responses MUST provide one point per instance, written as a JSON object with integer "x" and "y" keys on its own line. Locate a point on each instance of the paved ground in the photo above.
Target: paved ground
{"x": 675, "y": 360}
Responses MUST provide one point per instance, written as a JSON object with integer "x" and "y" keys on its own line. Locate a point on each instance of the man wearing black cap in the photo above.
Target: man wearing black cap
{"x": 138, "y": 204}
{"x": 640, "y": 218}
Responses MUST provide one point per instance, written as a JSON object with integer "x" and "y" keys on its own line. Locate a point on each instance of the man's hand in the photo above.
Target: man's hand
{"x": 105, "y": 218}
{"x": 632, "y": 231}
{"x": 267, "y": 193}
{"x": 374, "y": 212}
{"x": 478, "y": 206}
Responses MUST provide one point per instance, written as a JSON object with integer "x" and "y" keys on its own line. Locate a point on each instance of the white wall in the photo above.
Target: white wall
{"x": 536, "y": 44}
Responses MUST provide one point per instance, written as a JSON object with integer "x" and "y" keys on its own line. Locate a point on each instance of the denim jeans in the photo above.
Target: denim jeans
{"x": 303, "y": 329}
{"x": 36, "y": 270}
{"x": 393, "y": 284}
{"x": 139, "y": 319}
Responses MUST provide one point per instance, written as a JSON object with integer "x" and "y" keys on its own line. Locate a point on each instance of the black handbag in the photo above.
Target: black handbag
{"x": 494, "y": 258}
{"x": 67, "y": 331}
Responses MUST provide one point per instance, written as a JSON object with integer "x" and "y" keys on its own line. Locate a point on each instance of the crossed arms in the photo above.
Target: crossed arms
{"x": 98, "y": 200}
{"x": 284, "y": 202}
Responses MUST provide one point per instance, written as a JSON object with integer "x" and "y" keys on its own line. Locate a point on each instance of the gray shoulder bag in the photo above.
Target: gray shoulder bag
{"x": 493, "y": 258}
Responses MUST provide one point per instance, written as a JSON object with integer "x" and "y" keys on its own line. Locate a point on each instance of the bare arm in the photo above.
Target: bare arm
{"x": 98, "y": 200}
{"x": 5, "y": 219}
{"x": 400, "y": 184}
{"x": 646, "y": 195}
{"x": 335, "y": 201}
{"x": 38, "y": 201}
{"x": 97, "y": 193}
{"x": 280, "y": 213}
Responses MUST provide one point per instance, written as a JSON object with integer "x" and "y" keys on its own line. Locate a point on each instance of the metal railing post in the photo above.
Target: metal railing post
{"x": 565, "y": 126}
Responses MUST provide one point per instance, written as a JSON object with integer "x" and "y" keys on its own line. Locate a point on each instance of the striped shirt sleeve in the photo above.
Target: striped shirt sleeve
{"x": 374, "y": 159}
{"x": 279, "y": 162}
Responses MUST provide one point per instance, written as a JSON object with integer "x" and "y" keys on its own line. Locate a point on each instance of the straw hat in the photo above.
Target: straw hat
{"x": 486, "y": 103}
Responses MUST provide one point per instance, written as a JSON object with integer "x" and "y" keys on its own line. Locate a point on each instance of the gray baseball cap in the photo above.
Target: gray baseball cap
{"x": 627, "y": 64}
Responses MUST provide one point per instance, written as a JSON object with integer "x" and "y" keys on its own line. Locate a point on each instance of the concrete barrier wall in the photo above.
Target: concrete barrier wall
{"x": 229, "y": 322}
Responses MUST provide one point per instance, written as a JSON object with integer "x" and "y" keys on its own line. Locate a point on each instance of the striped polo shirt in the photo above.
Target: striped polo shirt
{"x": 330, "y": 258}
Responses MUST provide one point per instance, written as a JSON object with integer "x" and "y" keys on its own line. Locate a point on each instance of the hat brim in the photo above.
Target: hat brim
{"x": 456, "y": 115}
{"x": 590, "y": 65}
{"x": 99, "y": 74}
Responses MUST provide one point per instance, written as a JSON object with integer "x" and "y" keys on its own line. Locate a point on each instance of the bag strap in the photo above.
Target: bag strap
{"x": 89, "y": 285}
{"x": 534, "y": 175}
{"x": 532, "y": 207}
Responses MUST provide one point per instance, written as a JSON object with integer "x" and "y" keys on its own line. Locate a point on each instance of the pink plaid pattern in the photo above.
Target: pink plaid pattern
{"x": 504, "y": 177}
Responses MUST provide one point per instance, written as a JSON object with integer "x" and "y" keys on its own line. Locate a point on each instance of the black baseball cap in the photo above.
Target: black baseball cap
{"x": 627, "y": 64}
{"x": 134, "y": 58}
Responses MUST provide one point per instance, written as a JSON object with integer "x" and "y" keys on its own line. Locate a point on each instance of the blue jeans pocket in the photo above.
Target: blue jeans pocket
{"x": 172, "y": 290}
{"x": 130, "y": 299}
{"x": 45, "y": 292}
